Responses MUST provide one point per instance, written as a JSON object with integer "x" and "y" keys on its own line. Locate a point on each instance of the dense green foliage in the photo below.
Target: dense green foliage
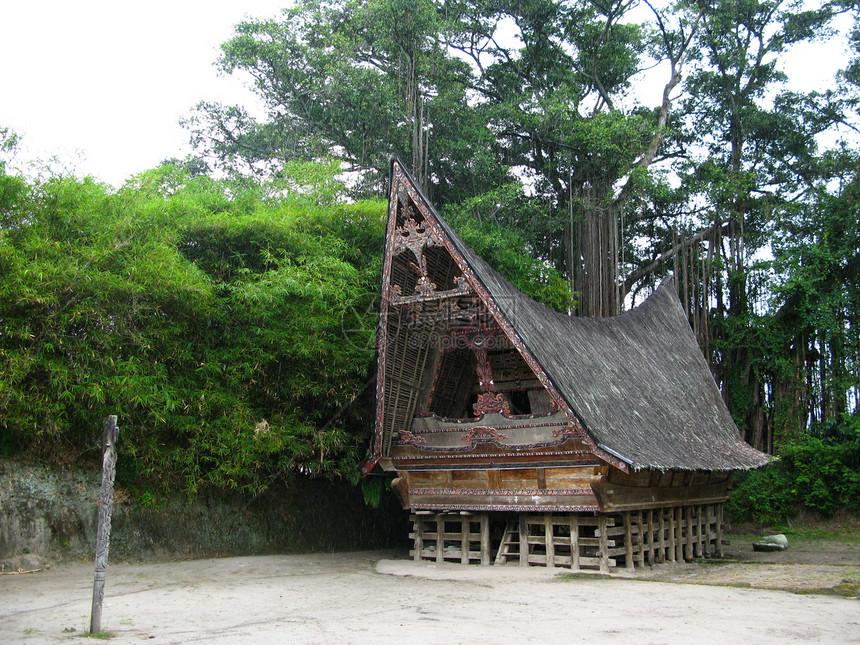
{"x": 210, "y": 323}
{"x": 819, "y": 472}
{"x": 231, "y": 331}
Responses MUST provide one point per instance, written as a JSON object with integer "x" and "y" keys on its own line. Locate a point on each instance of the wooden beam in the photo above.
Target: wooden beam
{"x": 615, "y": 497}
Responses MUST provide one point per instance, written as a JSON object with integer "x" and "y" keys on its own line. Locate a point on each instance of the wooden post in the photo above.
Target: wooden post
{"x": 574, "y": 542}
{"x": 661, "y": 555}
{"x": 672, "y": 531}
{"x": 111, "y": 432}
{"x": 549, "y": 539}
{"x": 641, "y": 539}
{"x": 604, "y": 543}
{"x": 419, "y": 538}
{"x": 524, "y": 540}
{"x": 719, "y": 551}
{"x": 628, "y": 541}
{"x": 440, "y": 537}
{"x": 485, "y": 539}
{"x": 649, "y": 536}
{"x": 688, "y": 534}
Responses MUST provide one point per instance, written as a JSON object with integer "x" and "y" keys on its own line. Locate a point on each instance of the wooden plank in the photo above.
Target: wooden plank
{"x": 679, "y": 520}
{"x": 615, "y": 497}
{"x": 427, "y": 478}
{"x": 519, "y": 474}
{"x": 465, "y": 530}
{"x": 469, "y": 478}
{"x": 578, "y": 477}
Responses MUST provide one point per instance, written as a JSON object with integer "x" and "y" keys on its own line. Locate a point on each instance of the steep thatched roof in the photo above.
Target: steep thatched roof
{"x": 638, "y": 382}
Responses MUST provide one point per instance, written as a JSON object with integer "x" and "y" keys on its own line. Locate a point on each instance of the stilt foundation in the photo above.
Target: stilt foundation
{"x": 590, "y": 541}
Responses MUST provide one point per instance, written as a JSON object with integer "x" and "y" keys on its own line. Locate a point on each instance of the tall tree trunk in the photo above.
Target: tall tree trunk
{"x": 593, "y": 253}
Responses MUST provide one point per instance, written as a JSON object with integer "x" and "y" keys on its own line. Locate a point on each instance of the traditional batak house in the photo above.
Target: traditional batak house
{"x": 520, "y": 433}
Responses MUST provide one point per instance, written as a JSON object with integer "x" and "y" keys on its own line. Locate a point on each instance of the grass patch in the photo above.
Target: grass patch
{"x": 839, "y": 535}
{"x": 102, "y": 635}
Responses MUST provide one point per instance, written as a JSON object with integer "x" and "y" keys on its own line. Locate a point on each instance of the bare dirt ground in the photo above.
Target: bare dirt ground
{"x": 809, "y": 566}
{"x": 377, "y": 597}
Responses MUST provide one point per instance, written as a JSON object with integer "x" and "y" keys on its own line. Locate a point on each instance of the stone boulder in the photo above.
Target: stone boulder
{"x": 771, "y": 543}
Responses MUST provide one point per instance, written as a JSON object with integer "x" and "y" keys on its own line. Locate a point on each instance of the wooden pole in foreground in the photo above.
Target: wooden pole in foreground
{"x": 111, "y": 432}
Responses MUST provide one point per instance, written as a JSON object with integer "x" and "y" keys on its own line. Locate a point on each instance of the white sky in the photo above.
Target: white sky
{"x": 102, "y": 84}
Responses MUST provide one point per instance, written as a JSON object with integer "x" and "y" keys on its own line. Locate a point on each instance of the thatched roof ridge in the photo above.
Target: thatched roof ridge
{"x": 638, "y": 382}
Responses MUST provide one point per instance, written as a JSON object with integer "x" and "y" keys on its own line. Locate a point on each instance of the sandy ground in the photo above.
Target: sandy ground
{"x": 374, "y": 597}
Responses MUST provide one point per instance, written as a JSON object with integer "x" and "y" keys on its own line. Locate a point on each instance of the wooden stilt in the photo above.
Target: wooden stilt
{"x": 719, "y": 539}
{"x": 712, "y": 530}
{"x": 524, "y": 540}
{"x": 688, "y": 533}
{"x": 440, "y": 537}
{"x": 418, "y": 523}
{"x": 672, "y": 554}
{"x": 628, "y": 542}
{"x": 574, "y": 542}
{"x": 650, "y": 537}
{"x": 604, "y": 544}
{"x": 661, "y": 554}
{"x": 641, "y": 538}
{"x": 485, "y": 538}
{"x": 549, "y": 539}
{"x": 465, "y": 535}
